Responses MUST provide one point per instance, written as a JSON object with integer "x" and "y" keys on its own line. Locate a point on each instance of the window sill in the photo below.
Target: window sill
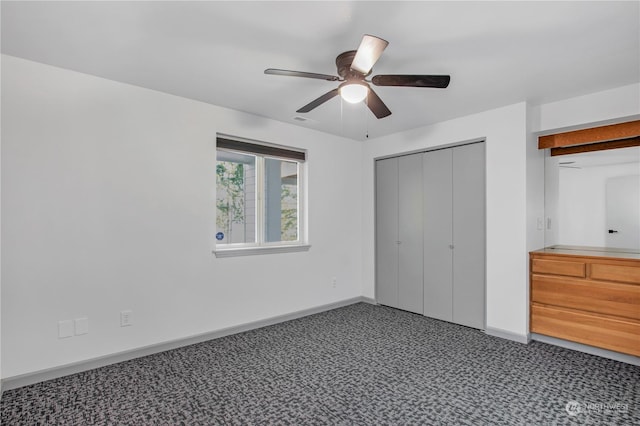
{"x": 252, "y": 251}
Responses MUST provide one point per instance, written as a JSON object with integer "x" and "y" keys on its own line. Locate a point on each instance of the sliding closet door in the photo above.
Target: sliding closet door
{"x": 410, "y": 286}
{"x": 430, "y": 234}
{"x": 438, "y": 256}
{"x": 469, "y": 235}
{"x": 387, "y": 232}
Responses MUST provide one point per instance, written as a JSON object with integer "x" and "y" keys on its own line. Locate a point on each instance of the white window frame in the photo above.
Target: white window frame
{"x": 260, "y": 246}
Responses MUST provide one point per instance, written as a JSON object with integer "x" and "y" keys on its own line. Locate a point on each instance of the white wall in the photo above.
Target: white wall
{"x": 505, "y": 131}
{"x": 535, "y": 197}
{"x": 581, "y": 212}
{"x": 610, "y": 106}
{"x": 615, "y": 105}
{"x": 108, "y": 204}
{"x": 515, "y": 187}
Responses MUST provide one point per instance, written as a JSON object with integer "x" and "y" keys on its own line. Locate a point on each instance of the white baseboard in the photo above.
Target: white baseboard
{"x": 616, "y": 356}
{"x": 509, "y": 335}
{"x": 77, "y": 367}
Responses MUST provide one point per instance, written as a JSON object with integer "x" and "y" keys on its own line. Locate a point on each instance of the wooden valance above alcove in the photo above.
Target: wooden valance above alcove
{"x": 622, "y": 135}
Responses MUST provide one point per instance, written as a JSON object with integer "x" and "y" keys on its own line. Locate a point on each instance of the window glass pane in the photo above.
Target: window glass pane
{"x": 281, "y": 200}
{"x": 235, "y": 198}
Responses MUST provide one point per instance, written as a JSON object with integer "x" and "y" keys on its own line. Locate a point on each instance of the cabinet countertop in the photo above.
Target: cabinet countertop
{"x": 613, "y": 253}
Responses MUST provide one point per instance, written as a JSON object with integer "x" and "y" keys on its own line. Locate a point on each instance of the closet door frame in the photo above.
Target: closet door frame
{"x": 376, "y": 233}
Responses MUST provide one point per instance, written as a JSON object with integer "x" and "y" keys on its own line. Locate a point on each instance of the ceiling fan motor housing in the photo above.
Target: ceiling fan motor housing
{"x": 344, "y": 61}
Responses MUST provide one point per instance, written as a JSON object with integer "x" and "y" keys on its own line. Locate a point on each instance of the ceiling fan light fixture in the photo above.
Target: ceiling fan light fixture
{"x": 354, "y": 92}
{"x": 353, "y": 68}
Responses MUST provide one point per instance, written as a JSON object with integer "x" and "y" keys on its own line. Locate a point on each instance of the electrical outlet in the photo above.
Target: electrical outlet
{"x": 65, "y": 329}
{"x": 126, "y": 318}
{"x": 334, "y": 282}
{"x": 81, "y": 326}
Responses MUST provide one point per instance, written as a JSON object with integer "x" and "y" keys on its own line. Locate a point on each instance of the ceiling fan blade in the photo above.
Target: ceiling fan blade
{"x": 317, "y": 102}
{"x": 437, "y": 81}
{"x": 289, "y": 73}
{"x": 375, "y": 104}
{"x": 368, "y": 53}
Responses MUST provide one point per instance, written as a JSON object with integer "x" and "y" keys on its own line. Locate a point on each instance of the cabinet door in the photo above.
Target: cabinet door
{"x": 387, "y": 232}
{"x": 469, "y": 235}
{"x": 438, "y": 260}
{"x": 410, "y": 284}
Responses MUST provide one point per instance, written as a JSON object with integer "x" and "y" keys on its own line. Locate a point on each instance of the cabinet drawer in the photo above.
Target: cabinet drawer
{"x": 591, "y": 329}
{"x": 599, "y": 297}
{"x": 558, "y": 267}
{"x": 625, "y": 274}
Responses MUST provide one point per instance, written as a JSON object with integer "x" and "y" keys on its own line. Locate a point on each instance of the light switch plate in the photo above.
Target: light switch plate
{"x": 65, "y": 329}
{"x": 81, "y": 326}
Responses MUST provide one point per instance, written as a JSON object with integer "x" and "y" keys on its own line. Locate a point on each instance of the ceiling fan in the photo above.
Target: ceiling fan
{"x": 353, "y": 68}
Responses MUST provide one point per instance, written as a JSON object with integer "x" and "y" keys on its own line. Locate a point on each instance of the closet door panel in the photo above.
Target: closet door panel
{"x": 410, "y": 284}
{"x": 387, "y": 232}
{"x": 469, "y": 235}
{"x": 437, "y": 190}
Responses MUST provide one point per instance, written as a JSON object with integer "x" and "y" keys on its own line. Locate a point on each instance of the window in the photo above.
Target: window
{"x": 259, "y": 198}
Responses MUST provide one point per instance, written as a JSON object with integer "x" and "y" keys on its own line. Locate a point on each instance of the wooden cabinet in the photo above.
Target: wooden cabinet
{"x": 587, "y": 296}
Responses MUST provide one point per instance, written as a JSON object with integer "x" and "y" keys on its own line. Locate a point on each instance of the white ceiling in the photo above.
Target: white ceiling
{"x": 497, "y": 53}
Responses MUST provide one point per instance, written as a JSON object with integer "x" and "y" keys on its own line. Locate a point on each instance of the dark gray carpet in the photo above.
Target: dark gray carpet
{"x": 359, "y": 365}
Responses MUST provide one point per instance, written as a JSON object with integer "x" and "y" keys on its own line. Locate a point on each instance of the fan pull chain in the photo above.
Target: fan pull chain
{"x": 367, "y": 117}
{"x": 341, "y": 115}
